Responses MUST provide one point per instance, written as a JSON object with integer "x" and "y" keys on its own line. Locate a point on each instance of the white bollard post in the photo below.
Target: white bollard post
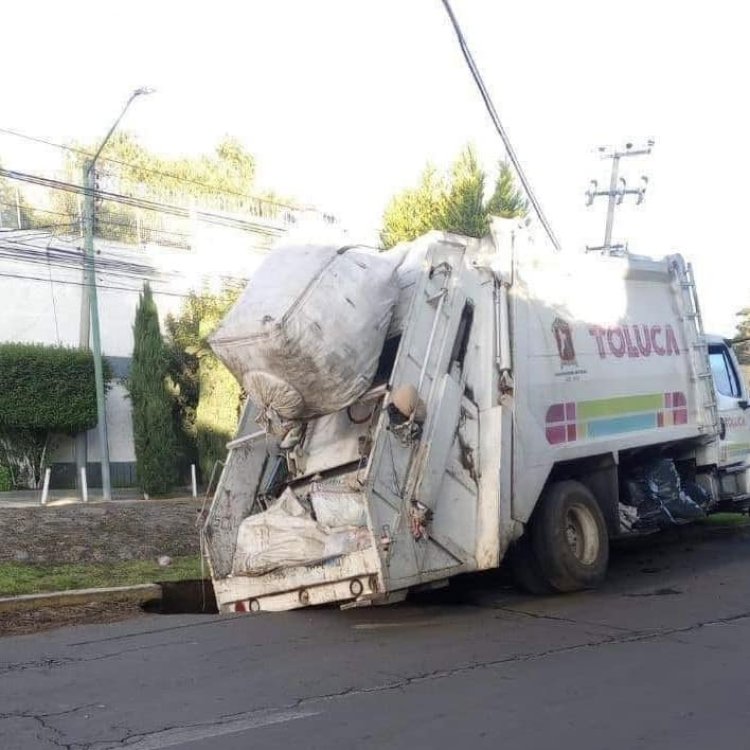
{"x": 84, "y": 485}
{"x": 45, "y": 488}
{"x": 195, "y": 481}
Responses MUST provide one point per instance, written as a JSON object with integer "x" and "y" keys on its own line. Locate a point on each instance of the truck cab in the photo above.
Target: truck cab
{"x": 734, "y": 426}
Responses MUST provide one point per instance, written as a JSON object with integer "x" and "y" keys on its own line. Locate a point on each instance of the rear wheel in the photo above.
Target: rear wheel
{"x": 569, "y": 538}
{"x": 525, "y": 570}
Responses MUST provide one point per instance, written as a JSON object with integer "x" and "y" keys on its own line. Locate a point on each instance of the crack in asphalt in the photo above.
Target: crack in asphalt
{"x": 236, "y": 722}
{"x": 554, "y": 618}
{"x": 48, "y": 715}
{"x": 54, "y": 735}
{"x": 64, "y": 662}
{"x": 214, "y": 620}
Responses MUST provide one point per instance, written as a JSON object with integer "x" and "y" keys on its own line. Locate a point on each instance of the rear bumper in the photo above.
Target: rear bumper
{"x": 353, "y": 577}
{"x": 357, "y": 589}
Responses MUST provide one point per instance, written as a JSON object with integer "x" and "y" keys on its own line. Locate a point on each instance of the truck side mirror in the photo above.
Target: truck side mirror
{"x": 743, "y": 403}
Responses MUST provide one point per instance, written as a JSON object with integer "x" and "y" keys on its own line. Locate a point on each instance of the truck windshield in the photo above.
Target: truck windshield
{"x": 725, "y": 378}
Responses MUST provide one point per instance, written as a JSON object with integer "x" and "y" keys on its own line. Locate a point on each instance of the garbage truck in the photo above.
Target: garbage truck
{"x": 452, "y": 403}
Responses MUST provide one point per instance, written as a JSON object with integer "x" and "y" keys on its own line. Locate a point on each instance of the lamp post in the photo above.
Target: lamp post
{"x": 90, "y": 307}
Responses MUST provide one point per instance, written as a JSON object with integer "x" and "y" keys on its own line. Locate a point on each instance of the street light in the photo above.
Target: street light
{"x": 143, "y": 91}
{"x": 90, "y": 307}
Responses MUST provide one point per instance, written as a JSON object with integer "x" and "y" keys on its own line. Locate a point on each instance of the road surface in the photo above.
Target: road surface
{"x": 658, "y": 658}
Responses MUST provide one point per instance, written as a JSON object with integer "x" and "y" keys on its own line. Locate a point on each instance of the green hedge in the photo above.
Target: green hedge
{"x": 47, "y": 388}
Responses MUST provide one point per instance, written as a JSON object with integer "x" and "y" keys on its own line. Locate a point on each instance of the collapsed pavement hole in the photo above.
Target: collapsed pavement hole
{"x": 192, "y": 597}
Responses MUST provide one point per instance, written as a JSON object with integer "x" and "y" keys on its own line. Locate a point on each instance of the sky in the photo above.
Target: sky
{"x": 344, "y": 101}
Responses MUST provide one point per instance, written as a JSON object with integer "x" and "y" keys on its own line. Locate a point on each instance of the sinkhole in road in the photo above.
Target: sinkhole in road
{"x": 184, "y": 597}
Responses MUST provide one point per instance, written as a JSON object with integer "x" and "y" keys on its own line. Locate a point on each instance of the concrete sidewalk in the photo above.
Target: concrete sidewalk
{"x": 27, "y": 498}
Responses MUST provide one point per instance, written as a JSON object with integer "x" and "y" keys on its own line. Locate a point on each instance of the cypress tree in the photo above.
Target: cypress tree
{"x": 156, "y": 450}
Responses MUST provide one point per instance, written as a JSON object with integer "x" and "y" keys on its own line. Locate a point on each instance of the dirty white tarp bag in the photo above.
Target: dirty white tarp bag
{"x": 305, "y": 337}
{"x": 336, "y": 506}
{"x": 286, "y": 536}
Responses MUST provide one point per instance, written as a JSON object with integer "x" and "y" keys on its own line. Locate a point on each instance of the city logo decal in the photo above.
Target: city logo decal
{"x": 564, "y": 341}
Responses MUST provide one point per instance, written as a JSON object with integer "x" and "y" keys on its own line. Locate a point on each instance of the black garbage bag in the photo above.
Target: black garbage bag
{"x": 697, "y": 494}
{"x": 655, "y": 490}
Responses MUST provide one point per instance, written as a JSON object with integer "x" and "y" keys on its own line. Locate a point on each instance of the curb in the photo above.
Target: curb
{"x": 139, "y": 594}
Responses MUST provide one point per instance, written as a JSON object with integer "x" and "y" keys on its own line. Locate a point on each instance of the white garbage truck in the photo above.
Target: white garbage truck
{"x": 435, "y": 409}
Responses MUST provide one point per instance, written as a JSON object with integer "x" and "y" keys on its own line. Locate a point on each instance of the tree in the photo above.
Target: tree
{"x": 415, "y": 211}
{"x": 208, "y": 395}
{"x": 153, "y": 428}
{"x": 463, "y": 209}
{"x": 221, "y": 181}
{"x": 453, "y": 203}
{"x": 742, "y": 349}
{"x": 14, "y": 206}
{"x": 507, "y": 201}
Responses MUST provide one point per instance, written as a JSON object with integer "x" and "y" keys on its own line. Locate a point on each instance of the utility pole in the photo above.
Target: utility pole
{"x": 84, "y": 331}
{"x": 618, "y": 189}
{"x": 89, "y": 325}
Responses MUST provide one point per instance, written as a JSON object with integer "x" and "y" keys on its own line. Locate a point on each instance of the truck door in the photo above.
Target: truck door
{"x": 732, "y": 402}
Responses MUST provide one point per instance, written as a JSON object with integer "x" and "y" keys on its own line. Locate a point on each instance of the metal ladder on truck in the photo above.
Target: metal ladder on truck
{"x": 701, "y": 364}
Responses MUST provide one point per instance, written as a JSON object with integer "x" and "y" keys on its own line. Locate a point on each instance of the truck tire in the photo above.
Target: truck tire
{"x": 569, "y": 537}
{"x": 524, "y": 567}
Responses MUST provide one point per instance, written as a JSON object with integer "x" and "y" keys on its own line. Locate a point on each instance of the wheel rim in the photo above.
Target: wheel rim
{"x": 582, "y": 534}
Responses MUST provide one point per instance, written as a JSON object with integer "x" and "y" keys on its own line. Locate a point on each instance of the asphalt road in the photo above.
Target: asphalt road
{"x": 658, "y": 658}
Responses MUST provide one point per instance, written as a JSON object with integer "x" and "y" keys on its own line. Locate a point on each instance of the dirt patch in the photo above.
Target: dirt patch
{"x": 47, "y": 618}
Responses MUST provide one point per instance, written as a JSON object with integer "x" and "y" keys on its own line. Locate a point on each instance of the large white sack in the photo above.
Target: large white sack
{"x": 305, "y": 337}
{"x": 285, "y": 536}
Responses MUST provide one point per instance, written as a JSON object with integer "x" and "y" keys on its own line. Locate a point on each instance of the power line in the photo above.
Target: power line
{"x": 474, "y": 70}
{"x": 135, "y": 290}
{"x": 66, "y": 259}
{"x": 37, "y": 209}
{"x": 101, "y": 220}
{"x": 144, "y": 272}
{"x": 143, "y": 203}
{"x": 150, "y": 170}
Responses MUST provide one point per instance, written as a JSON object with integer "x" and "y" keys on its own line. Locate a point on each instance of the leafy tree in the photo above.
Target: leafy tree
{"x": 415, "y": 211}
{"x": 12, "y": 204}
{"x": 221, "y": 181}
{"x": 153, "y": 429}
{"x": 507, "y": 201}
{"x": 208, "y": 397}
{"x": 463, "y": 209}
{"x": 452, "y": 203}
{"x": 742, "y": 349}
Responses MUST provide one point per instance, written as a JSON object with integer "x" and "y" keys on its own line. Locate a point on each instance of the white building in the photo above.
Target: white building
{"x": 41, "y": 285}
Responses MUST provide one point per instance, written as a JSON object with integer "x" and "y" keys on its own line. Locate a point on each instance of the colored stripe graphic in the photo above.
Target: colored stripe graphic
{"x": 574, "y": 421}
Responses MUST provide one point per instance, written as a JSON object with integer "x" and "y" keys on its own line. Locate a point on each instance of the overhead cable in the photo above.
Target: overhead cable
{"x": 474, "y": 70}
